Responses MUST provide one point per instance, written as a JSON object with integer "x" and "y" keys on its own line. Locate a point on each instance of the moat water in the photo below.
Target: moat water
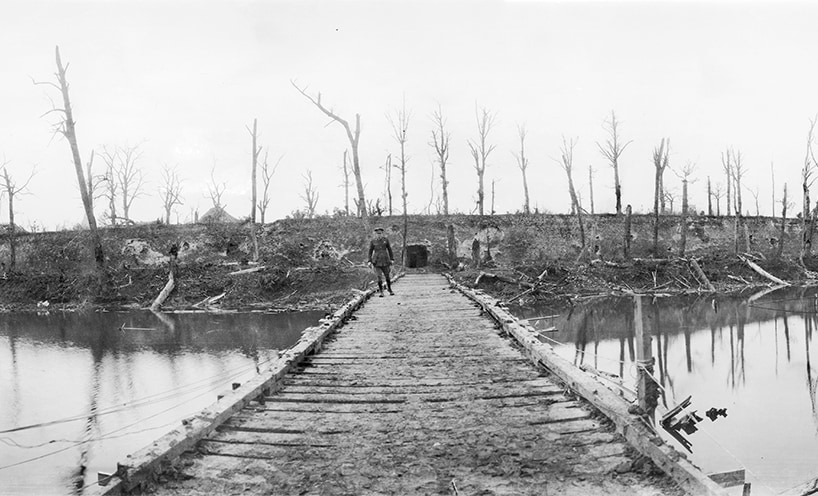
{"x": 752, "y": 354}
{"x": 79, "y": 392}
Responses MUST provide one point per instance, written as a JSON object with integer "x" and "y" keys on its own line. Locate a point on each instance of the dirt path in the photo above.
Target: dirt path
{"x": 417, "y": 395}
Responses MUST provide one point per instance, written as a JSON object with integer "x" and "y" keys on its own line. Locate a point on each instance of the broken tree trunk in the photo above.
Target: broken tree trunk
{"x": 702, "y": 276}
{"x": 763, "y": 272}
{"x": 163, "y": 295}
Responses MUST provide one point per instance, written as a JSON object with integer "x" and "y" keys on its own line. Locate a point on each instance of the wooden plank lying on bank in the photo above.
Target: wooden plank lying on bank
{"x": 143, "y": 466}
{"x": 631, "y": 426}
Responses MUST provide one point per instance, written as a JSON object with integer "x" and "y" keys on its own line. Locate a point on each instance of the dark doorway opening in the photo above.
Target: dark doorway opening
{"x": 416, "y": 256}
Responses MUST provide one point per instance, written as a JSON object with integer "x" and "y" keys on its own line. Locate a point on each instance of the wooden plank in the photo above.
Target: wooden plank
{"x": 687, "y": 475}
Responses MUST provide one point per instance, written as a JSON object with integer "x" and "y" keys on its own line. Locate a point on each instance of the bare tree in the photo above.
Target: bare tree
{"x": 354, "y": 138}
{"x": 66, "y": 127}
{"x": 256, "y": 151}
{"x": 480, "y": 151}
{"x": 522, "y": 164}
{"x": 431, "y": 190}
{"x": 345, "y": 168}
{"x": 669, "y": 196}
{"x": 170, "y": 190}
{"x": 785, "y": 204}
{"x": 718, "y": 194}
{"x": 727, "y": 167}
{"x": 807, "y": 178}
{"x": 12, "y": 189}
{"x": 400, "y": 124}
{"x": 684, "y": 174}
{"x": 440, "y": 142}
{"x": 738, "y": 170}
{"x": 387, "y": 170}
{"x": 110, "y": 183}
{"x": 772, "y": 187}
{"x": 215, "y": 190}
{"x": 124, "y": 178}
{"x": 661, "y": 159}
{"x": 266, "y": 178}
{"x": 754, "y": 193}
{"x": 567, "y": 163}
{"x": 612, "y": 150}
{"x": 591, "y": 187}
{"x": 709, "y": 198}
{"x": 310, "y": 195}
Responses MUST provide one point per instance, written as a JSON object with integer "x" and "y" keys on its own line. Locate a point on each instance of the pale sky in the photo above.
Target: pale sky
{"x": 186, "y": 78}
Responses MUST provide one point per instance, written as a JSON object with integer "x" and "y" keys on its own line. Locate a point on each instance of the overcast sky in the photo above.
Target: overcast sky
{"x": 184, "y": 79}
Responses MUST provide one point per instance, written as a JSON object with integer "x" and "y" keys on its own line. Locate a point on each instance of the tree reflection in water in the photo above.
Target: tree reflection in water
{"x": 737, "y": 351}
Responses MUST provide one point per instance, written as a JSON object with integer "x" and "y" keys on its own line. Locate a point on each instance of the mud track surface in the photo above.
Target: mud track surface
{"x": 417, "y": 395}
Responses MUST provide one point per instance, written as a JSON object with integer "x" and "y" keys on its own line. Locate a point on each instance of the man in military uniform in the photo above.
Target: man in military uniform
{"x": 380, "y": 257}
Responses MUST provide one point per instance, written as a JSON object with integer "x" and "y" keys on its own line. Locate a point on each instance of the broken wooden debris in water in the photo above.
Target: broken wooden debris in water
{"x": 730, "y": 478}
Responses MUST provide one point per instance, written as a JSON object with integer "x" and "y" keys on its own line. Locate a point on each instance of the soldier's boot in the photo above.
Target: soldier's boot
{"x": 380, "y": 288}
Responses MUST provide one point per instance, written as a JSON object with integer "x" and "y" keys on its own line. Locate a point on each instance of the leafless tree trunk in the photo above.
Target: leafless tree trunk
{"x": 754, "y": 194}
{"x": 12, "y": 189}
{"x": 718, "y": 194}
{"x": 440, "y": 142}
{"x": 785, "y": 203}
{"x": 709, "y": 198}
{"x": 266, "y": 179}
{"x": 669, "y": 197}
{"x": 353, "y": 136}
{"x": 522, "y": 163}
{"x": 346, "y": 184}
{"x": 591, "y": 187}
{"x": 492, "y": 197}
{"x": 728, "y": 172}
{"x": 400, "y": 124}
{"x": 567, "y": 164}
{"x": 171, "y": 190}
{"x": 684, "y": 175}
{"x": 612, "y": 150}
{"x": 111, "y": 185}
{"x": 431, "y": 191}
{"x": 738, "y": 172}
{"x": 660, "y": 163}
{"x": 387, "y": 170}
{"x": 67, "y": 128}
{"x": 310, "y": 195}
{"x": 807, "y": 178}
{"x": 772, "y": 187}
{"x": 255, "y": 154}
{"x": 215, "y": 190}
{"x": 480, "y": 151}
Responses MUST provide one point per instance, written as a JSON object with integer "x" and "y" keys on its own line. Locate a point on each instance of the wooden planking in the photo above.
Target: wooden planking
{"x": 394, "y": 379}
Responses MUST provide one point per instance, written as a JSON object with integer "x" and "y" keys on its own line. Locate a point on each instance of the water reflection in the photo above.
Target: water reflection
{"x": 750, "y": 354}
{"x": 80, "y": 392}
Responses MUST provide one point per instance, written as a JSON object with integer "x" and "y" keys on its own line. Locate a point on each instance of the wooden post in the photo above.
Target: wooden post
{"x": 644, "y": 359}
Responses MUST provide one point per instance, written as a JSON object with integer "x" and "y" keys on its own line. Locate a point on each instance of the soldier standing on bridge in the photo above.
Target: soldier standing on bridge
{"x": 380, "y": 257}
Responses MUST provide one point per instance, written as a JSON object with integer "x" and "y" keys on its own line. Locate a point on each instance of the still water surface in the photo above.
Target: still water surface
{"x": 753, "y": 355}
{"x": 89, "y": 389}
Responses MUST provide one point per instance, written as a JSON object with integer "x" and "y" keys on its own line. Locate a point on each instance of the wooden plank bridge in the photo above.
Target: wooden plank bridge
{"x": 418, "y": 393}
